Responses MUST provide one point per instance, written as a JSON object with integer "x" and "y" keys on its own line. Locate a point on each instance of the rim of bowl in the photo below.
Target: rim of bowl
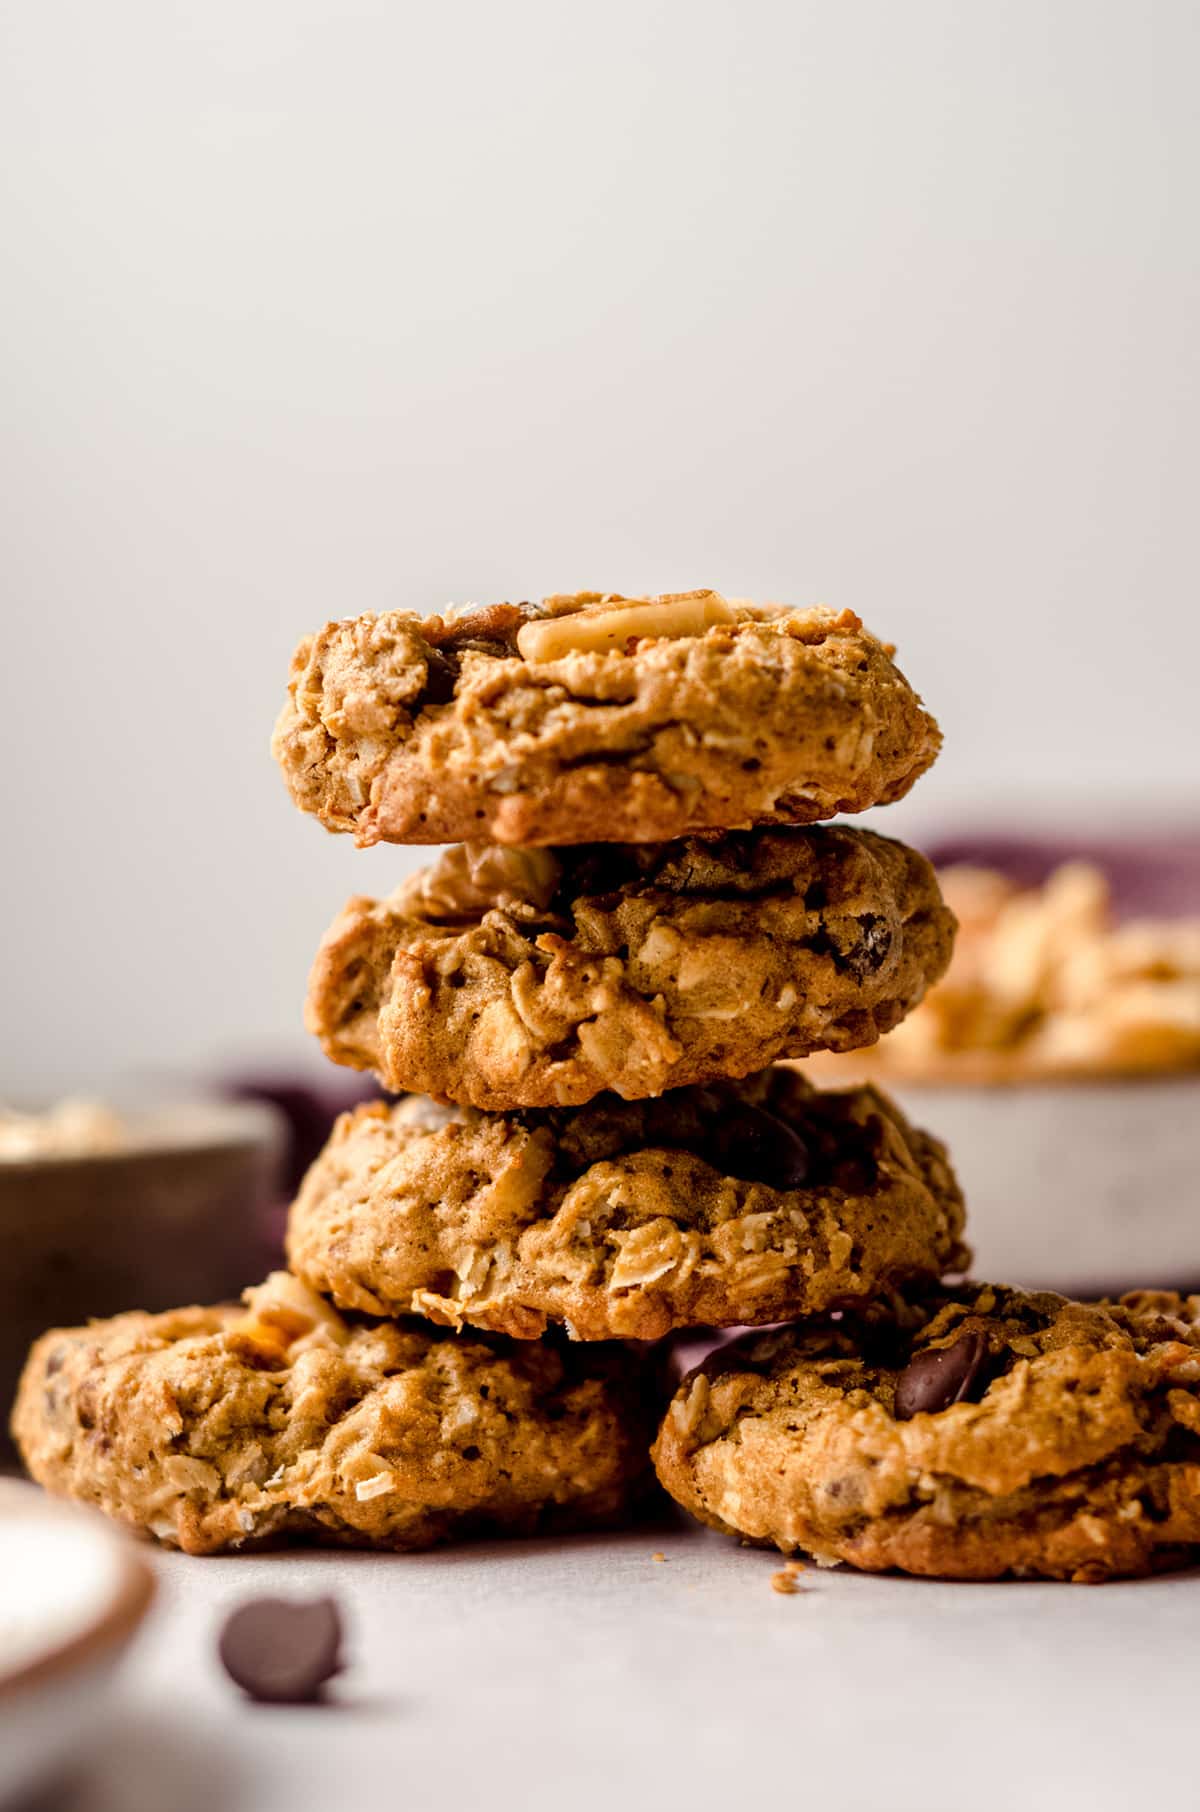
{"x": 172, "y": 1128}
{"x": 130, "y": 1600}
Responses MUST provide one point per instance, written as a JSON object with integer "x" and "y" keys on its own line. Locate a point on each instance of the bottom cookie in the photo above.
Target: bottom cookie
{"x": 230, "y": 1427}
{"x": 990, "y": 1432}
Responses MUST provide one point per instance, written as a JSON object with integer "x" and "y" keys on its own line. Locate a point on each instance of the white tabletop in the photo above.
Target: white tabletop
{"x": 583, "y": 1674}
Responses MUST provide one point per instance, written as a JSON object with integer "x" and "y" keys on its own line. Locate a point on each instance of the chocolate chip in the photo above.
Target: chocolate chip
{"x": 868, "y": 955}
{"x": 282, "y": 1651}
{"x": 441, "y": 677}
{"x": 855, "y": 1173}
{"x": 939, "y": 1376}
{"x": 490, "y": 629}
{"x": 748, "y": 1143}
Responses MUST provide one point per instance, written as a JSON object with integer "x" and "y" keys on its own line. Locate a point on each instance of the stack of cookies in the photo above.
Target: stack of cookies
{"x": 582, "y": 1005}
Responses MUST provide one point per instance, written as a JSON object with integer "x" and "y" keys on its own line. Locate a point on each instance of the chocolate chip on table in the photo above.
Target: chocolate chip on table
{"x": 748, "y": 1143}
{"x": 940, "y": 1376}
{"x": 282, "y": 1651}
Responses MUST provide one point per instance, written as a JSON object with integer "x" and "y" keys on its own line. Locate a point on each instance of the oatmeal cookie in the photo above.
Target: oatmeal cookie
{"x": 988, "y": 1432}
{"x": 536, "y": 978}
{"x": 744, "y": 1202}
{"x": 226, "y": 1428}
{"x": 591, "y": 717}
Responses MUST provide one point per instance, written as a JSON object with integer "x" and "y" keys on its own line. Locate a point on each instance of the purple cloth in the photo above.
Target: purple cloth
{"x": 1150, "y": 876}
{"x": 309, "y": 1112}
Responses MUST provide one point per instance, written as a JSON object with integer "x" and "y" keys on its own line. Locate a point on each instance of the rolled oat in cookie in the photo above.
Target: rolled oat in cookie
{"x": 979, "y": 1433}
{"x": 227, "y": 1428}
{"x": 594, "y": 716}
{"x": 737, "y": 1203}
{"x": 536, "y": 978}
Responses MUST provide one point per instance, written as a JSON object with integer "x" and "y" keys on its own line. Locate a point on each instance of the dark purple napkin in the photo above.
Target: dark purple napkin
{"x": 1150, "y": 876}
{"x": 309, "y": 1111}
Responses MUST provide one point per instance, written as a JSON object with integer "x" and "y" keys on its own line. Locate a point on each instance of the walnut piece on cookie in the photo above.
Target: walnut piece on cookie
{"x": 226, "y": 1428}
{"x": 738, "y": 1203}
{"x": 595, "y": 717}
{"x": 535, "y": 978}
{"x": 982, "y": 1432}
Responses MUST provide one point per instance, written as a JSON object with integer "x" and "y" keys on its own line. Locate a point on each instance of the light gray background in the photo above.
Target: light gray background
{"x": 312, "y": 307}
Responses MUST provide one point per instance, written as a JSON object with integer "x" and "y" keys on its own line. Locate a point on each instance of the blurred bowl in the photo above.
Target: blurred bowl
{"x": 1091, "y": 1188}
{"x": 1089, "y": 1185}
{"x": 176, "y": 1215}
{"x": 72, "y": 1595}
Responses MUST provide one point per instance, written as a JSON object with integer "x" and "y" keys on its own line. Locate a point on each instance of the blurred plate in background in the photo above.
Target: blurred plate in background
{"x": 1089, "y": 1188}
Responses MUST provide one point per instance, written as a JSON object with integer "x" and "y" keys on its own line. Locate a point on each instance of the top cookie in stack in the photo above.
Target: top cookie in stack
{"x": 637, "y": 907}
{"x": 514, "y": 723}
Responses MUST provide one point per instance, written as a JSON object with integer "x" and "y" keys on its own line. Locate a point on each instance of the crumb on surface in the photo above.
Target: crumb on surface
{"x": 658, "y": 1555}
{"x": 785, "y": 1580}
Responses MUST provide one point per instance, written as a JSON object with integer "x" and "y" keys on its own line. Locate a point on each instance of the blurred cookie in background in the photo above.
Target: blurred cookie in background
{"x": 1049, "y": 980}
{"x": 1060, "y": 1057}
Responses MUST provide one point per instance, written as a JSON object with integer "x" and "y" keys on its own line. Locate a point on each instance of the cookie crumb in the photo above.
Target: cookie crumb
{"x": 1092, "y": 1572}
{"x": 658, "y": 1555}
{"x": 785, "y": 1581}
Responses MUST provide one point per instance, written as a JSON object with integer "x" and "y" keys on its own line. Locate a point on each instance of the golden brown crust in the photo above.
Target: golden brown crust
{"x": 1075, "y": 1453}
{"x": 218, "y": 1429}
{"x": 430, "y": 730}
{"x": 627, "y": 1219}
{"x": 536, "y": 979}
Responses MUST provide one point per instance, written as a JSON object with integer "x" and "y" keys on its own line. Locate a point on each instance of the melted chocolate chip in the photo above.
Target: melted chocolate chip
{"x": 748, "y": 1143}
{"x": 855, "y": 1173}
{"x": 871, "y": 951}
{"x": 940, "y": 1376}
{"x": 282, "y": 1651}
{"x": 490, "y": 629}
{"x": 441, "y": 677}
